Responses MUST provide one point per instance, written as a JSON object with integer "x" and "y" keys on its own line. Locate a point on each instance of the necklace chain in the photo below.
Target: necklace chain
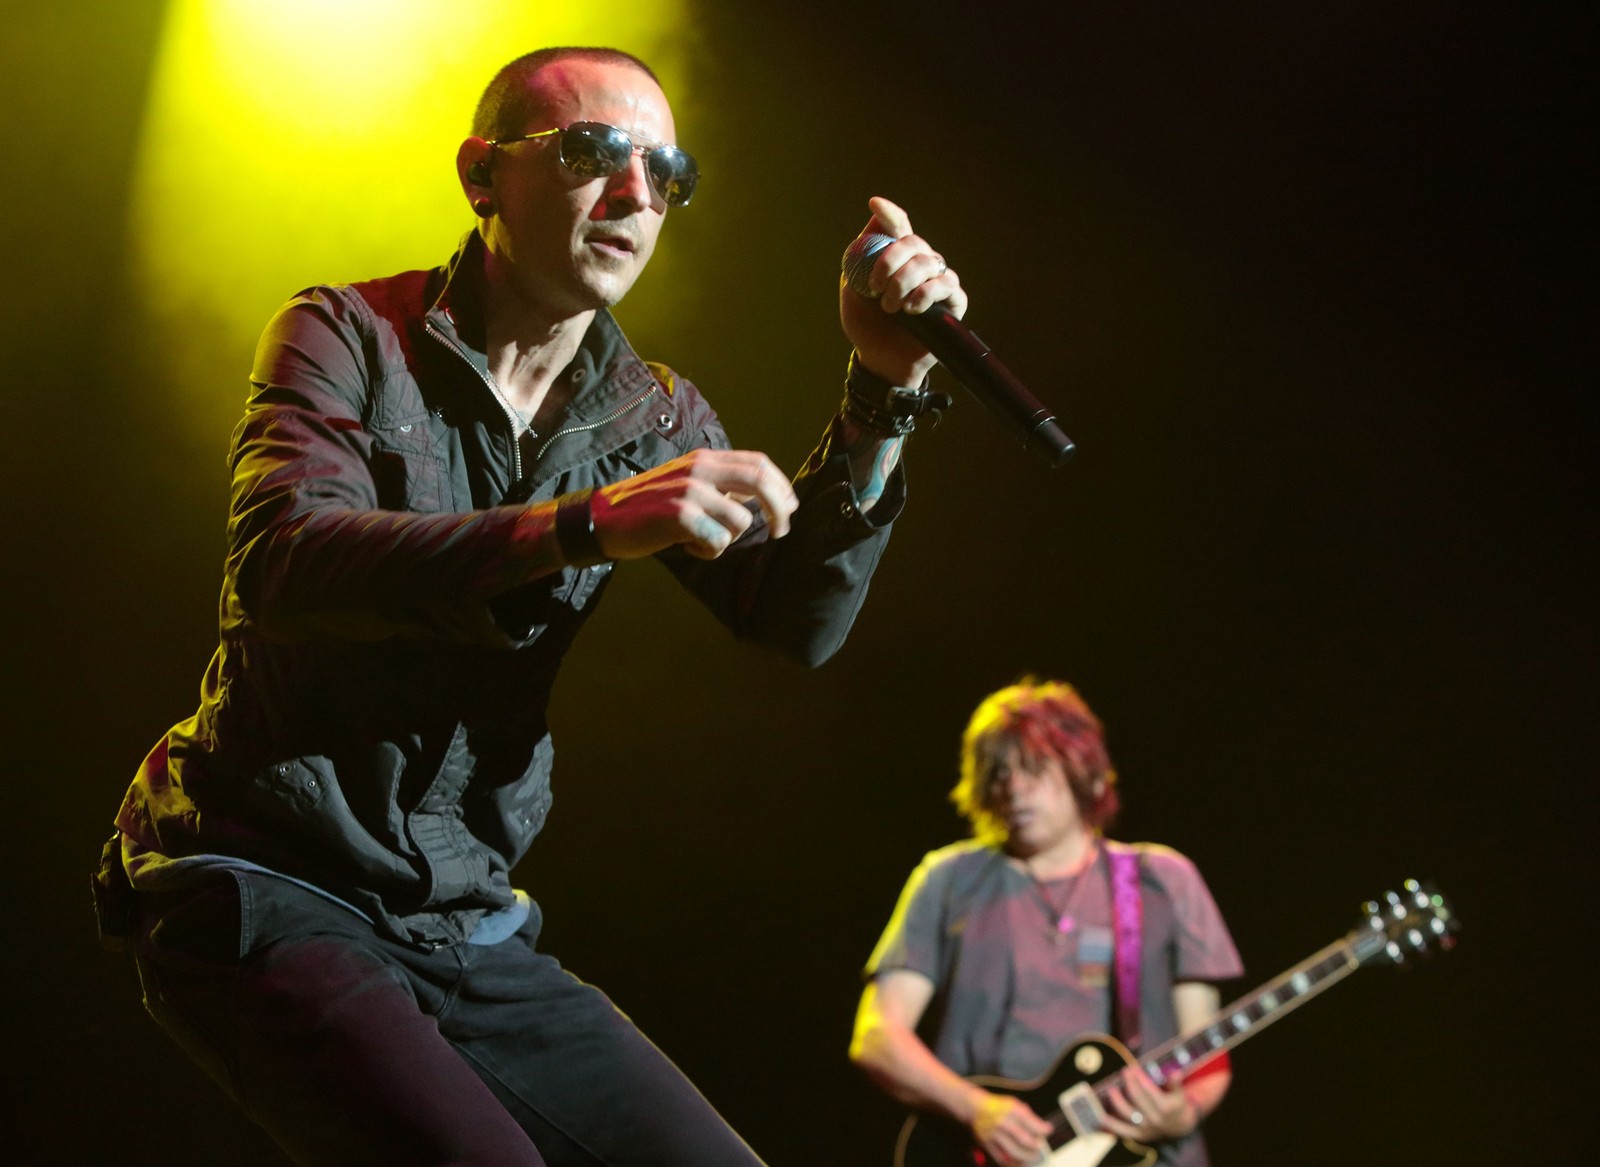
{"x": 1062, "y": 922}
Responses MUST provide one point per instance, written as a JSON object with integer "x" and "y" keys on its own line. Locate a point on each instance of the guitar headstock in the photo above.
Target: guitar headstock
{"x": 1405, "y": 923}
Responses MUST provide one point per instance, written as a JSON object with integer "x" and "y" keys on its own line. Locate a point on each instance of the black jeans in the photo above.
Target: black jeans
{"x": 352, "y": 1049}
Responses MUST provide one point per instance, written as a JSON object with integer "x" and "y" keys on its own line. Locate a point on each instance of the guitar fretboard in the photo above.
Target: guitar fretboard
{"x": 1256, "y": 1010}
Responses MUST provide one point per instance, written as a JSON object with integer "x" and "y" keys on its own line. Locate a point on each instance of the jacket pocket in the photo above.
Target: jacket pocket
{"x": 409, "y": 470}
{"x": 293, "y": 786}
{"x": 408, "y": 479}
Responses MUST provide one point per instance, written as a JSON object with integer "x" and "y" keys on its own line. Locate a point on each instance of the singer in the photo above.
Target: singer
{"x": 433, "y": 478}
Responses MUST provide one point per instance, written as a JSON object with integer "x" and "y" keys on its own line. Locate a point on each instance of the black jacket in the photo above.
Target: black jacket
{"x": 373, "y": 720}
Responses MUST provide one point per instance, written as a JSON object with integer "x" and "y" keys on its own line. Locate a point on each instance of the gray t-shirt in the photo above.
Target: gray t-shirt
{"x": 1013, "y": 988}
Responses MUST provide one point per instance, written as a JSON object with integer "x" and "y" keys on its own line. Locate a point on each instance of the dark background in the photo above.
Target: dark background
{"x": 1310, "y": 287}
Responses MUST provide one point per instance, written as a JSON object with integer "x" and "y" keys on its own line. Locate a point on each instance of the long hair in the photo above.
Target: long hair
{"x": 1043, "y": 720}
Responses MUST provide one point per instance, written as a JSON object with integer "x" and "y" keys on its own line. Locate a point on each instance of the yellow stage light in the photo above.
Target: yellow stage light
{"x": 292, "y": 142}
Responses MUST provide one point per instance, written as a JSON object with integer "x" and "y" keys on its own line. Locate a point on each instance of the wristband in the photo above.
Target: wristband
{"x": 888, "y": 411}
{"x": 575, "y": 536}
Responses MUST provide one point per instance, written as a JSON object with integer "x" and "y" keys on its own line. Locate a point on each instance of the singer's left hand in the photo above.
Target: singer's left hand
{"x": 909, "y": 275}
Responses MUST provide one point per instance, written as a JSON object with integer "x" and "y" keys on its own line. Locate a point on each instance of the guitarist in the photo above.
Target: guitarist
{"x": 1005, "y": 947}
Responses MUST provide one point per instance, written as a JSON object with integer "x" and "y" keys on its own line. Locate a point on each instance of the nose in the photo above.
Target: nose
{"x": 629, "y": 189}
{"x": 1006, "y": 783}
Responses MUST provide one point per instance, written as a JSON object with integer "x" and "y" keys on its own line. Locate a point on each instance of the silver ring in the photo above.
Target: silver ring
{"x": 1135, "y": 1117}
{"x": 943, "y": 267}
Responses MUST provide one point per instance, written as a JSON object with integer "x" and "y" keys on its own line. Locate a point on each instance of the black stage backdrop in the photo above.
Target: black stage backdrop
{"x": 1304, "y": 284}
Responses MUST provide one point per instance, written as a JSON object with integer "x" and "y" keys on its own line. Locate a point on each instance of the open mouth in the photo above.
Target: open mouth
{"x": 618, "y": 245}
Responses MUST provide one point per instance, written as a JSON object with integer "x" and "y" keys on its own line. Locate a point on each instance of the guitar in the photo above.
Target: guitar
{"x": 1071, "y": 1095}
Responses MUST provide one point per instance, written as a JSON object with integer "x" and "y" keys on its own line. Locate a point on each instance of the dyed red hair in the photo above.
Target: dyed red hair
{"x": 1043, "y": 720}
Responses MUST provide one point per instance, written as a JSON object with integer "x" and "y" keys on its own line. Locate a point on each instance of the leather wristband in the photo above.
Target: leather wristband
{"x": 874, "y": 405}
{"x": 575, "y": 536}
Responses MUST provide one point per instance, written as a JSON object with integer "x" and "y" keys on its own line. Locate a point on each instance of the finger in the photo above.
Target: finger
{"x": 714, "y": 521}
{"x": 1119, "y": 1115}
{"x": 1144, "y": 1095}
{"x": 1124, "y": 1129}
{"x": 882, "y": 279}
{"x": 1135, "y": 1074}
{"x": 888, "y": 217}
{"x": 1004, "y": 1153}
{"x": 1019, "y": 1148}
{"x": 1033, "y": 1127}
{"x": 1117, "y": 1101}
{"x": 1017, "y": 1144}
{"x": 737, "y": 470}
{"x": 943, "y": 289}
{"x": 1172, "y": 1106}
{"x": 707, "y": 537}
{"x": 919, "y": 267}
{"x": 776, "y": 497}
{"x": 748, "y": 474}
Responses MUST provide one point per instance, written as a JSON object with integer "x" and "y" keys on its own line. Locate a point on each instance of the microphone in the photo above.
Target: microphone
{"x": 969, "y": 360}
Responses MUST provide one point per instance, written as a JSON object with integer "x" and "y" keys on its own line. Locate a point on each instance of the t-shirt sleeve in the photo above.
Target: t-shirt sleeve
{"x": 914, "y": 938}
{"x": 1205, "y": 949}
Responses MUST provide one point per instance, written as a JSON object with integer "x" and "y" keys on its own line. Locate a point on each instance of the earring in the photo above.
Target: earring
{"x": 483, "y": 207}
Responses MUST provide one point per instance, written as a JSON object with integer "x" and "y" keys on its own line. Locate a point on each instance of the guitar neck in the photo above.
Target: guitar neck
{"x": 1255, "y": 1011}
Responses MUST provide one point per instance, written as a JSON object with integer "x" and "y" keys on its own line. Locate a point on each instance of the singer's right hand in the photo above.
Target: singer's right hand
{"x": 907, "y": 275}
{"x": 696, "y": 500}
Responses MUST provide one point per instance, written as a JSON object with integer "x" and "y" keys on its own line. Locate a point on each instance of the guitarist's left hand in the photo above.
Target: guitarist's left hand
{"x": 1160, "y": 1114}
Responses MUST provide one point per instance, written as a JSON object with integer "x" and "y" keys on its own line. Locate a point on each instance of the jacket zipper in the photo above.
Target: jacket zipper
{"x": 494, "y": 391}
{"x": 606, "y": 420}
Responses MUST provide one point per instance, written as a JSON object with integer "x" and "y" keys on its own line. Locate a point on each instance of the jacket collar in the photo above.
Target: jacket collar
{"x": 605, "y": 368}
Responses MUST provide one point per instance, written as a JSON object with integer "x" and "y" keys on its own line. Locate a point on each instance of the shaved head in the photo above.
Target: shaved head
{"x": 512, "y": 99}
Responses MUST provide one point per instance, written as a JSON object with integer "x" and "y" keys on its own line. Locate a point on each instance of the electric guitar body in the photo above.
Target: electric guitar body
{"x": 926, "y": 1141}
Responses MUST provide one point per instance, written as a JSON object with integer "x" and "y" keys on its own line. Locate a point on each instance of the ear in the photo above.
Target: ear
{"x": 475, "y": 168}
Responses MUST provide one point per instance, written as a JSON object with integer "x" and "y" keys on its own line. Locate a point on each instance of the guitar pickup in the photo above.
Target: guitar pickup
{"x": 1082, "y": 1108}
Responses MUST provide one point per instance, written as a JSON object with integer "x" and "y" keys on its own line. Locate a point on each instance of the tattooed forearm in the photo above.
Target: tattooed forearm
{"x": 872, "y": 460}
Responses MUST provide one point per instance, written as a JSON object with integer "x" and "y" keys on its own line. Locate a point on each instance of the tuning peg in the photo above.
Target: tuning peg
{"x": 1396, "y": 953}
{"x": 1441, "y": 910}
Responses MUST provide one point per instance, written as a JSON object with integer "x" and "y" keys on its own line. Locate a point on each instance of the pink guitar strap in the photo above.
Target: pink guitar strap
{"x": 1127, "y": 917}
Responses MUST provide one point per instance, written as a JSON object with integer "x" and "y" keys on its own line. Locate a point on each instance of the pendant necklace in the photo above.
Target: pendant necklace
{"x": 1062, "y": 920}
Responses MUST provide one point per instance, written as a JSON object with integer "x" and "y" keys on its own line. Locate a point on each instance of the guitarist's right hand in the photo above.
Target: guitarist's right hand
{"x": 1009, "y": 1132}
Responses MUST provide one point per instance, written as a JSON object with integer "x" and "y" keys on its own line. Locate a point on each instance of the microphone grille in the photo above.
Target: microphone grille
{"x": 859, "y": 258}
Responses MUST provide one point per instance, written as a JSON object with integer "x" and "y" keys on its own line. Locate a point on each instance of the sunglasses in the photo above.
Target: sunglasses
{"x": 595, "y": 150}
